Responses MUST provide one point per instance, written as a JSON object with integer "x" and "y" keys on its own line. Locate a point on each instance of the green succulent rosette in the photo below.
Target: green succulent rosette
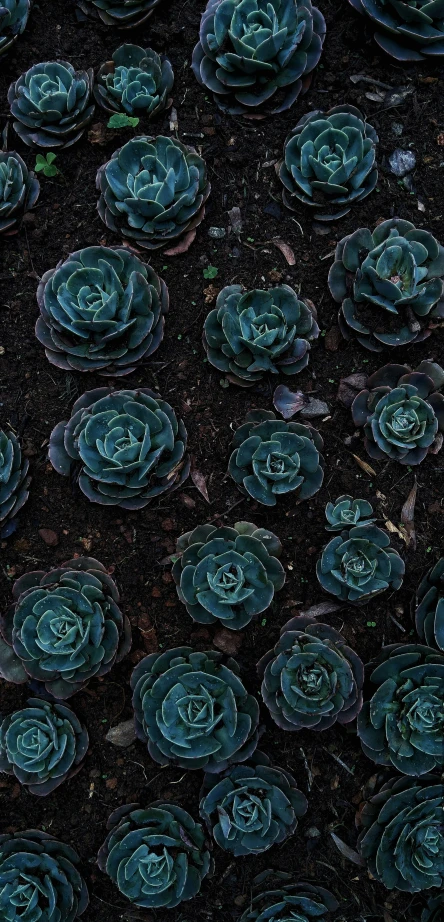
{"x": 19, "y": 191}
{"x": 228, "y": 574}
{"x": 432, "y": 912}
{"x": 254, "y": 332}
{"x": 157, "y": 856}
{"x": 51, "y": 104}
{"x": 14, "y": 480}
{"x": 153, "y": 190}
{"x": 402, "y": 834}
{"x": 102, "y": 309}
{"x": 346, "y": 512}
{"x": 43, "y": 745}
{"x": 137, "y": 81}
{"x": 389, "y": 284}
{"x": 39, "y": 879}
{"x": 359, "y": 564}
{"x": 257, "y": 57}
{"x": 64, "y": 628}
{"x": 311, "y": 678}
{"x": 122, "y": 14}
{"x": 193, "y": 711}
{"x": 407, "y": 31}
{"x": 329, "y": 162}
{"x": 429, "y": 615}
{"x": 252, "y": 806}
{"x": 272, "y": 457}
{"x": 402, "y": 723}
{"x": 286, "y": 899}
{"x": 13, "y": 20}
{"x": 128, "y": 447}
{"x": 402, "y": 412}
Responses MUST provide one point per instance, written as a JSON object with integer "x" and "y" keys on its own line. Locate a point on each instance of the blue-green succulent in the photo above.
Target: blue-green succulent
{"x": 192, "y": 710}
{"x": 13, "y": 19}
{"x": 359, "y": 564}
{"x": 252, "y": 806}
{"x": 43, "y": 745}
{"x": 122, "y": 14}
{"x": 228, "y": 574}
{"x": 14, "y": 480}
{"x": 346, "y": 512}
{"x": 157, "y": 856}
{"x": 286, "y": 900}
{"x": 137, "y": 81}
{"x": 51, "y": 104}
{"x": 429, "y": 616}
{"x": 19, "y": 191}
{"x": 408, "y": 31}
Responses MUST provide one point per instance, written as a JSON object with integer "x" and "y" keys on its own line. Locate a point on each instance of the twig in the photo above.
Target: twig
{"x": 361, "y": 78}
{"x": 338, "y": 760}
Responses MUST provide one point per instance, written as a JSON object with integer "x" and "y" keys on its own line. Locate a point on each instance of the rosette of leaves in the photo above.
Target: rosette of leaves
{"x": 193, "y": 710}
{"x": 432, "y": 912}
{"x": 285, "y": 899}
{"x": 43, "y": 745}
{"x": 402, "y": 723}
{"x": 123, "y": 14}
{"x": 51, "y": 104}
{"x": 153, "y": 190}
{"x": 39, "y": 879}
{"x": 64, "y": 628}
{"x": 251, "y": 807}
{"x": 13, "y": 19}
{"x": 253, "y": 332}
{"x": 256, "y": 57}
{"x": 389, "y": 284}
{"x": 272, "y": 457}
{"x": 402, "y": 835}
{"x": 228, "y": 574}
{"x": 128, "y": 447}
{"x": 429, "y": 616}
{"x": 329, "y": 162}
{"x": 101, "y": 309}
{"x": 359, "y": 564}
{"x": 346, "y": 512}
{"x": 136, "y": 81}
{"x": 402, "y": 412}
{"x": 14, "y": 480}
{"x": 311, "y": 678}
{"x": 406, "y": 31}
{"x": 157, "y": 856}
{"x": 19, "y": 191}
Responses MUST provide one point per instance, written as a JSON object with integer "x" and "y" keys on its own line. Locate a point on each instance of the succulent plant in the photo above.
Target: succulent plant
{"x": 19, "y": 190}
{"x": 13, "y": 19}
{"x": 402, "y": 724}
{"x": 153, "y": 190}
{"x": 402, "y": 836}
{"x": 251, "y": 807}
{"x": 256, "y": 57}
{"x": 402, "y": 412}
{"x": 250, "y": 333}
{"x": 128, "y": 446}
{"x": 39, "y": 879}
{"x": 299, "y": 901}
{"x": 64, "y": 627}
{"x": 136, "y": 81}
{"x": 228, "y": 574}
{"x": 311, "y": 678}
{"x": 271, "y": 457}
{"x": 101, "y": 309}
{"x": 406, "y": 31}
{"x": 51, "y": 104}
{"x": 193, "y": 710}
{"x": 14, "y": 480}
{"x": 329, "y": 162}
{"x": 156, "y": 856}
{"x": 359, "y": 564}
{"x": 429, "y": 616}
{"x": 124, "y": 14}
{"x": 346, "y": 512}
{"x": 389, "y": 284}
{"x": 43, "y": 745}
{"x": 432, "y": 912}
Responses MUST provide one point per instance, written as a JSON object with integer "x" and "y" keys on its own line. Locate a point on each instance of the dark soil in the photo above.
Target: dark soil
{"x": 35, "y": 396}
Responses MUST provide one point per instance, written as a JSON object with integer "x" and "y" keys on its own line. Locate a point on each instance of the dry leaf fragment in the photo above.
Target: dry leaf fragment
{"x": 199, "y": 481}
{"x": 347, "y": 852}
{"x": 364, "y": 466}
{"x": 285, "y": 250}
{"x": 408, "y": 517}
{"x": 183, "y": 246}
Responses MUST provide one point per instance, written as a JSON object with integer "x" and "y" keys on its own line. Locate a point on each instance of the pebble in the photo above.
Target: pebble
{"x": 217, "y": 232}
{"x": 402, "y": 162}
{"x": 50, "y": 537}
{"x": 227, "y": 641}
{"x": 314, "y": 408}
{"x": 123, "y": 734}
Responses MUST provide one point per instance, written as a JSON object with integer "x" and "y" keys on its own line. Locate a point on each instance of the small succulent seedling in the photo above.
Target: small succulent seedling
{"x": 120, "y": 120}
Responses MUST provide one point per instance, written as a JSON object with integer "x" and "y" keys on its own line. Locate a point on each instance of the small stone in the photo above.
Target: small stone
{"x": 397, "y": 128}
{"x": 227, "y": 641}
{"x": 332, "y": 339}
{"x": 49, "y": 537}
{"x": 402, "y": 162}
{"x": 314, "y": 408}
{"x": 122, "y": 735}
{"x": 217, "y": 232}
{"x": 313, "y": 833}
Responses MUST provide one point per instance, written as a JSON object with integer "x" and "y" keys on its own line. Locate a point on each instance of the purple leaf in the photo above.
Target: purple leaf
{"x": 288, "y": 402}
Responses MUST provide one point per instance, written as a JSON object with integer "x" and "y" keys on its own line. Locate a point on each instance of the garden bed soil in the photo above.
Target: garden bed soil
{"x": 329, "y": 766}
